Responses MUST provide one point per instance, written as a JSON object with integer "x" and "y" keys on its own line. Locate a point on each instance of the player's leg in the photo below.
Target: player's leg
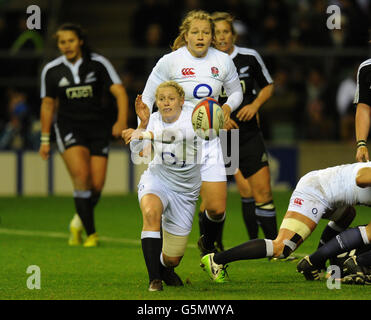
{"x": 248, "y": 205}
{"x": 212, "y": 214}
{"x": 77, "y": 160}
{"x": 295, "y": 228}
{"x": 345, "y": 241}
{"x": 264, "y": 207}
{"x": 98, "y": 168}
{"x": 152, "y": 208}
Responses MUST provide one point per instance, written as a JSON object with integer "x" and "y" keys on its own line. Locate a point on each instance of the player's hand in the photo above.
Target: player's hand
{"x": 126, "y": 135}
{"x": 247, "y": 112}
{"x": 142, "y": 110}
{"x": 362, "y": 154}
{"x": 117, "y": 129}
{"x": 231, "y": 124}
{"x": 227, "y": 112}
{"x": 44, "y": 151}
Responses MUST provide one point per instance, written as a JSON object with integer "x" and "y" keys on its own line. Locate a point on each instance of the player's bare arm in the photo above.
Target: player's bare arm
{"x": 142, "y": 112}
{"x": 363, "y": 178}
{"x": 362, "y": 120}
{"x": 247, "y": 112}
{"x": 122, "y": 102}
{"x": 46, "y": 115}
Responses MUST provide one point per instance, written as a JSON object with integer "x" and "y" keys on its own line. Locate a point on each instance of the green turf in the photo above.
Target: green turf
{"x": 116, "y": 269}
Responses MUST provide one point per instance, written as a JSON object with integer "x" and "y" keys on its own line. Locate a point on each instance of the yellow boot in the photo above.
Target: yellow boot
{"x": 91, "y": 241}
{"x": 76, "y": 229}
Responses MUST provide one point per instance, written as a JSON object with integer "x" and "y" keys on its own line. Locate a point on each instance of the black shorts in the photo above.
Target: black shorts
{"x": 93, "y": 135}
{"x": 253, "y": 154}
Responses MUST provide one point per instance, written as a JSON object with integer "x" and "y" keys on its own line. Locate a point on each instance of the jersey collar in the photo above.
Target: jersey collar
{"x": 74, "y": 68}
{"x": 234, "y": 52}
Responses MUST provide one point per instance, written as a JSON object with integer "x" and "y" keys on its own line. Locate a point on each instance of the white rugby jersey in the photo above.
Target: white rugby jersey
{"x": 176, "y": 158}
{"x": 338, "y": 185}
{"x": 199, "y": 77}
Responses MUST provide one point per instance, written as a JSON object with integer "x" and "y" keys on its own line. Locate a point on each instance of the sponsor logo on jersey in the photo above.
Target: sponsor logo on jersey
{"x": 314, "y": 211}
{"x": 63, "y": 82}
{"x": 79, "y": 92}
{"x": 298, "y": 202}
{"x": 90, "y": 77}
{"x": 215, "y": 72}
{"x": 264, "y": 157}
{"x": 244, "y": 69}
{"x": 188, "y": 72}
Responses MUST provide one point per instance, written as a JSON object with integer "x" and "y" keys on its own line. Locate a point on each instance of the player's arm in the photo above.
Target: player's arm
{"x": 363, "y": 178}
{"x": 46, "y": 118}
{"x": 248, "y": 111}
{"x": 122, "y": 102}
{"x": 363, "y": 115}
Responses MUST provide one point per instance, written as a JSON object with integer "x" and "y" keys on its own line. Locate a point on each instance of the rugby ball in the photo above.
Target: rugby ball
{"x": 207, "y": 119}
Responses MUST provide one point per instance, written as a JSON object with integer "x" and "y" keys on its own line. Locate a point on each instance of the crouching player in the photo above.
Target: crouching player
{"x": 329, "y": 193}
{"x": 168, "y": 190}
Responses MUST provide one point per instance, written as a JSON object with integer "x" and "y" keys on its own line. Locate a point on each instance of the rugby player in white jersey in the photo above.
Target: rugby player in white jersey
{"x": 168, "y": 190}
{"x": 202, "y": 71}
{"x": 330, "y": 194}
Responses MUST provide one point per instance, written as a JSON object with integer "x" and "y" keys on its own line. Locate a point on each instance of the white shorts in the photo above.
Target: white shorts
{"x": 179, "y": 207}
{"x": 307, "y": 200}
{"x": 212, "y": 168}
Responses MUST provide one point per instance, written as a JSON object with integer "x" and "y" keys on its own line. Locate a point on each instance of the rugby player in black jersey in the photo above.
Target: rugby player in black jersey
{"x": 74, "y": 88}
{"x": 253, "y": 176}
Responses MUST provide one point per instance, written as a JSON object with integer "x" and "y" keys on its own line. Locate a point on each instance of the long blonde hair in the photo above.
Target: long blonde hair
{"x": 186, "y": 23}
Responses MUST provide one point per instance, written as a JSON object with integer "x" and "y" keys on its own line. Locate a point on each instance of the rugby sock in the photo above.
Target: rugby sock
{"x": 331, "y": 231}
{"x": 343, "y": 242}
{"x": 211, "y": 229}
{"x": 200, "y": 223}
{"x": 364, "y": 259}
{"x": 152, "y": 247}
{"x": 253, "y": 249}
{"x": 266, "y": 215}
{"x": 95, "y": 198}
{"x": 85, "y": 209}
{"x": 249, "y": 217}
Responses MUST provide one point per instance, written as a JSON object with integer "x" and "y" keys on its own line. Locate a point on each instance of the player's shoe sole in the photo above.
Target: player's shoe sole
{"x": 155, "y": 285}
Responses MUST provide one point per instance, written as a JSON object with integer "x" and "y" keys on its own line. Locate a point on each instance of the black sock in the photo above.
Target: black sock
{"x": 249, "y": 217}
{"x": 211, "y": 230}
{"x": 253, "y": 249}
{"x": 331, "y": 231}
{"x": 151, "y": 247}
{"x": 200, "y": 223}
{"x": 95, "y": 198}
{"x": 343, "y": 242}
{"x": 266, "y": 215}
{"x": 85, "y": 209}
{"x": 364, "y": 259}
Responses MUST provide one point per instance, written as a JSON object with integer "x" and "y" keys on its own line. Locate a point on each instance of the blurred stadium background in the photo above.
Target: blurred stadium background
{"x": 308, "y": 123}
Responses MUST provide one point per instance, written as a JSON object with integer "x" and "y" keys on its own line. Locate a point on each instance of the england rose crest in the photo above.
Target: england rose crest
{"x": 214, "y": 72}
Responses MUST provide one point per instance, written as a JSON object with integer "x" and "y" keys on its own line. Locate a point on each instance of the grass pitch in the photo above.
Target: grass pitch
{"x": 34, "y": 231}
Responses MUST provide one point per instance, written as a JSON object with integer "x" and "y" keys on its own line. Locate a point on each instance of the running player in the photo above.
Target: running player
{"x": 202, "y": 71}
{"x": 253, "y": 176}
{"x": 78, "y": 82}
{"x": 329, "y": 193}
{"x": 168, "y": 190}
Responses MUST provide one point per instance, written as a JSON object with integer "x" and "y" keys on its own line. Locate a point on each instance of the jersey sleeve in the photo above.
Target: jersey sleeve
{"x": 158, "y": 75}
{"x": 363, "y": 90}
{"x": 48, "y": 87}
{"x": 108, "y": 72}
{"x": 261, "y": 73}
{"x": 232, "y": 86}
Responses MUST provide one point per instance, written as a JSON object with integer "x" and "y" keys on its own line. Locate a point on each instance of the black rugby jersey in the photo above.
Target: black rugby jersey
{"x": 253, "y": 74}
{"x": 81, "y": 88}
{"x": 363, "y": 92}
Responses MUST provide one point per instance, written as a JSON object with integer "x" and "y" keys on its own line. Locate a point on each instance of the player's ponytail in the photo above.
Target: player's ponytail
{"x": 186, "y": 23}
{"x": 81, "y": 34}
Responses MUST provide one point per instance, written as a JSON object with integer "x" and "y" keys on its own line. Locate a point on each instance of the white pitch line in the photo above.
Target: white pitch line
{"x": 60, "y": 235}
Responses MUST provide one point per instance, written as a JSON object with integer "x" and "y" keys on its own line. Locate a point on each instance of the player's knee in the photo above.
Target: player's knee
{"x": 81, "y": 179}
{"x": 172, "y": 261}
{"x": 262, "y": 195}
{"x": 150, "y": 216}
{"x": 215, "y": 209}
